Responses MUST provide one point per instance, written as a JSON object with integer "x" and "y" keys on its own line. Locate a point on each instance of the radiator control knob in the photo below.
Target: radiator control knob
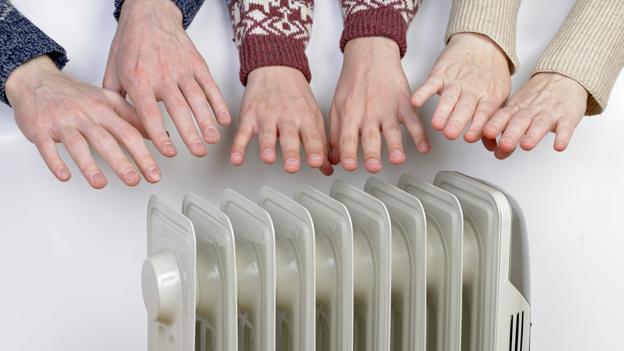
{"x": 162, "y": 288}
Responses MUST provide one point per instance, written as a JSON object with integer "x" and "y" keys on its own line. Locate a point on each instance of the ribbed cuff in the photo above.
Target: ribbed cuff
{"x": 495, "y": 19}
{"x": 260, "y": 51}
{"x": 21, "y": 42}
{"x": 189, "y": 9}
{"x": 381, "y": 22}
{"x": 589, "y": 48}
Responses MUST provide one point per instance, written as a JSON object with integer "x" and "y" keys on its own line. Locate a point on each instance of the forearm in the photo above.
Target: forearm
{"x": 189, "y": 9}
{"x": 20, "y": 42}
{"x": 382, "y": 18}
{"x": 589, "y": 48}
{"x": 264, "y": 40}
{"x": 495, "y": 19}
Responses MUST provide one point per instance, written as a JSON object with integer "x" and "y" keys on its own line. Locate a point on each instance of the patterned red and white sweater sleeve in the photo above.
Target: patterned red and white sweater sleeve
{"x": 378, "y": 18}
{"x": 271, "y": 33}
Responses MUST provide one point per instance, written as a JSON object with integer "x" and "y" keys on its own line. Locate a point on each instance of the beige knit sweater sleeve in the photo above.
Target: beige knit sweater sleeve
{"x": 495, "y": 19}
{"x": 589, "y": 48}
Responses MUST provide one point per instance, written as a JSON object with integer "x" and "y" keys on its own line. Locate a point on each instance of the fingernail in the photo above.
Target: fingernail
{"x": 396, "y": 154}
{"x": 169, "y": 148}
{"x": 211, "y": 133}
{"x": 130, "y": 174}
{"x": 198, "y": 147}
{"x": 154, "y": 174}
{"x": 316, "y": 158}
{"x": 292, "y": 162}
{"x": 267, "y": 153}
{"x": 348, "y": 162}
{"x": 424, "y": 146}
{"x": 372, "y": 164}
{"x": 97, "y": 178}
{"x": 63, "y": 173}
{"x": 236, "y": 157}
{"x": 224, "y": 117}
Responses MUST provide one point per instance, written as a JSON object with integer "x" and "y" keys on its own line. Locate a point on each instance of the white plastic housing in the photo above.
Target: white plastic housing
{"x": 409, "y": 265}
{"x": 371, "y": 267}
{"x": 255, "y": 264}
{"x": 499, "y": 315}
{"x": 216, "y": 319}
{"x": 295, "y": 262}
{"x": 168, "y": 279}
{"x": 334, "y": 269}
{"x": 444, "y": 263}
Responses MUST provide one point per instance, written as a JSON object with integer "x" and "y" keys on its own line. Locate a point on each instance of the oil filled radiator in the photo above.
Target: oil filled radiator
{"x": 418, "y": 266}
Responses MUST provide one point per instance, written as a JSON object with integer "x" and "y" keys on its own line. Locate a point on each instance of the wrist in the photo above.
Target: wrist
{"x": 479, "y": 41}
{"x": 557, "y": 79}
{"x": 278, "y": 73}
{"x": 166, "y": 8}
{"x": 26, "y": 76}
{"x": 371, "y": 50}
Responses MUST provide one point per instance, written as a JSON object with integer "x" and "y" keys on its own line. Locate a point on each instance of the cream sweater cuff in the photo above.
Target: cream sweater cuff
{"x": 589, "y": 48}
{"x": 495, "y": 19}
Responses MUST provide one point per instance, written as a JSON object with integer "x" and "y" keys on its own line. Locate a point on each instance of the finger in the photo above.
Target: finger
{"x": 127, "y": 112}
{"x": 111, "y": 82}
{"x": 109, "y": 149}
{"x": 78, "y": 149}
{"x": 496, "y": 125}
{"x": 415, "y": 129}
{"x": 334, "y": 136}
{"x": 241, "y": 140}
{"x": 394, "y": 142}
{"x": 212, "y": 91}
{"x": 267, "y": 139}
{"x": 49, "y": 153}
{"x": 312, "y": 141}
{"x": 485, "y": 109}
{"x": 326, "y": 167}
{"x": 448, "y": 100}
{"x": 489, "y": 143}
{"x": 516, "y": 128}
{"x": 290, "y": 144}
{"x": 501, "y": 154}
{"x": 461, "y": 115}
{"x": 348, "y": 145}
{"x": 206, "y": 121}
{"x": 431, "y": 87}
{"x": 145, "y": 102}
{"x": 540, "y": 125}
{"x": 132, "y": 140}
{"x": 564, "y": 131}
{"x": 181, "y": 115}
{"x": 371, "y": 148}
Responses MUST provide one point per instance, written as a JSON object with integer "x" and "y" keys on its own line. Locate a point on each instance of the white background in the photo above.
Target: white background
{"x": 70, "y": 256}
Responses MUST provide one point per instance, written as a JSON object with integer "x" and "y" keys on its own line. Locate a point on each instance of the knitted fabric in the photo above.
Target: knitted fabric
{"x": 378, "y": 18}
{"x": 271, "y": 33}
{"x": 189, "y": 9}
{"x": 20, "y": 42}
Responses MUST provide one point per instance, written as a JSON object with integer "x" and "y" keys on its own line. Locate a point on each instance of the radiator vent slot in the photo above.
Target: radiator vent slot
{"x": 516, "y": 331}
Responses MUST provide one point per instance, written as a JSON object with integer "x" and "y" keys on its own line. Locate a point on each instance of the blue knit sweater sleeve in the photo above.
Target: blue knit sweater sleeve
{"x": 20, "y": 42}
{"x": 189, "y": 9}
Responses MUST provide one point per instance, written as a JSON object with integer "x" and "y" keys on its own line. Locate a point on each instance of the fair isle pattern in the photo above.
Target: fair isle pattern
{"x": 407, "y": 8}
{"x": 272, "y": 18}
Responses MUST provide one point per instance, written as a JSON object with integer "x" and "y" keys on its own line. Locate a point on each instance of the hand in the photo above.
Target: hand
{"x": 278, "y": 101}
{"x": 473, "y": 80}
{"x": 372, "y": 97}
{"x": 51, "y": 107}
{"x": 153, "y": 59}
{"x": 548, "y": 102}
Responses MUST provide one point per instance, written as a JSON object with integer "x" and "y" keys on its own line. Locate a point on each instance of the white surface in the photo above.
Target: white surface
{"x": 70, "y": 257}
